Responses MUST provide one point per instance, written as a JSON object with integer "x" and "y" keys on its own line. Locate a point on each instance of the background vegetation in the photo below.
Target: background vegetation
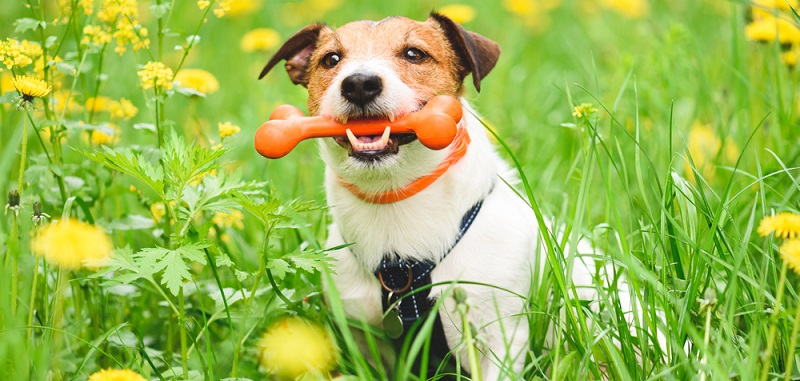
{"x": 664, "y": 131}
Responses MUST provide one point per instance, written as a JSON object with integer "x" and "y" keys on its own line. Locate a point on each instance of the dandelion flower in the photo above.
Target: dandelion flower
{"x": 227, "y": 129}
{"x": 460, "y": 13}
{"x": 30, "y": 87}
{"x": 784, "y": 225}
{"x": 106, "y": 135}
{"x": 243, "y": 7}
{"x": 294, "y": 347}
{"x": 198, "y": 80}
{"x": 71, "y": 244}
{"x": 790, "y": 253}
{"x": 260, "y": 39}
{"x": 156, "y": 75}
{"x": 98, "y": 104}
{"x": 5, "y": 82}
{"x": 773, "y": 28}
{"x": 116, "y": 375}
{"x": 628, "y": 8}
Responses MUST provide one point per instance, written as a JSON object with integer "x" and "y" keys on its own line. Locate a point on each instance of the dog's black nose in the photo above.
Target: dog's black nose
{"x": 361, "y": 88}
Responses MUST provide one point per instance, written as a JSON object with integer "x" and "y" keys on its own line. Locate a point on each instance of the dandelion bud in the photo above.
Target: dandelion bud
{"x": 460, "y": 295}
{"x": 37, "y": 209}
{"x": 13, "y": 198}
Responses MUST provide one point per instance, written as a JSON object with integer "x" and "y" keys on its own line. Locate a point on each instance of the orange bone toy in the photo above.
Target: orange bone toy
{"x": 434, "y": 125}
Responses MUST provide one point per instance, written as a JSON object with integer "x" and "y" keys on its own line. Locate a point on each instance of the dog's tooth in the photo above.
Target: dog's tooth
{"x": 391, "y": 118}
{"x": 385, "y": 136}
{"x": 343, "y": 119}
{"x": 352, "y": 138}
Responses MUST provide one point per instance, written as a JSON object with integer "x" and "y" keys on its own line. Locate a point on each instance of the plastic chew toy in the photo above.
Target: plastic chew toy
{"x": 434, "y": 125}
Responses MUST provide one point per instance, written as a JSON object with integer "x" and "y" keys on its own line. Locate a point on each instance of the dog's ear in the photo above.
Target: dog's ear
{"x": 478, "y": 54}
{"x": 296, "y": 51}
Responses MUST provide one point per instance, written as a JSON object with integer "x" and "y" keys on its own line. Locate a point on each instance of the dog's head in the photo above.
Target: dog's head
{"x": 382, "y": 69}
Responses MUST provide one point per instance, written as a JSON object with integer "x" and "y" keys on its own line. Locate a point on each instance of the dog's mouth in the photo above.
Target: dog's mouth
{"x": 373, "y": 147}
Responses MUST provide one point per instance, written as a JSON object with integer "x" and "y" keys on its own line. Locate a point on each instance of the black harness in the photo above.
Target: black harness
{"x": 402, "y": 306}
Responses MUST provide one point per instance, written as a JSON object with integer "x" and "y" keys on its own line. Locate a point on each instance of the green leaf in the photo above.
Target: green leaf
{"x": 131, "y": 222}
{"x": 175, "y": 272}
{"x": 312, "y": 261}
{"x": 160, "y": 10}
{"x": 25, "y": 24}
{"x": 279, "y": 267}
{"x": 223, "y": 261}
{"x": 125, "y": 161}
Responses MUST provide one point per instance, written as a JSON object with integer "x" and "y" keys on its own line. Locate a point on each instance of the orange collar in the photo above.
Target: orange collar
{"x": 457, "y": 151}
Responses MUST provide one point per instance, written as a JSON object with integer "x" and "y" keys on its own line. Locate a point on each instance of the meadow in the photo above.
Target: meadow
{"x": 144, "y": 238}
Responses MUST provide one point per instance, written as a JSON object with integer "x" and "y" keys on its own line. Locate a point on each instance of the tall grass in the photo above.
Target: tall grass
{"x": 692, "y": 143}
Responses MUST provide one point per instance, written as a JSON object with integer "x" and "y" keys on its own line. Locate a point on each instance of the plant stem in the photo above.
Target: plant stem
{"x": 792, "y": 344}
{"x": 13, "y": 250}
{"x": 773, "y": 323}
{"x": 33, "y": 297}
{"x": 182, "y": 326}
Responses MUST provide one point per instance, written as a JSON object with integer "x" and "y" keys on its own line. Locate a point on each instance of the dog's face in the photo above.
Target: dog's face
{"x": 383, "y": 69}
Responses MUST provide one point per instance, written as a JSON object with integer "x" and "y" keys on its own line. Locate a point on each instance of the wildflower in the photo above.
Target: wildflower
{"x": 98, "y": 104}
{"x": 628, "y": 8}
{"x": 242, "y": 7}
{"x": 227, "y": 129}
{"x": 232, "y": 219}
{"x": 460, "y": 13}
{"x": 95, "y": 35}
{"x": 784, "y": 225}
{"x": 87, "y": 5}
{"x": 533, "y": 12}
{"x": 116, "y": 375}
{"x": 294, "y": 347}
{"x": 13, "y": 202}
{"x": 260, "y": 39}
{"x": 158, "y": 210}
{"x": 198, "y": 80}
{"x": 772, "y": 28}
{"x": 156, "y": 75}
{"x": 106, "y": 135}
{"x": 203, "y": 4}
{"x": 123, "y": 109}
{"x": 124, "y": 14}
{"x": 71, "y": 244}
{"x": 30, "y": 87}
{"x": 704, "y": 145}
{"x": 62, "y": 100}
{"x": 14, "y": 53}
{"x": 790, "y": 253}
{"x": 584, "y": 110}
{"x": 5, "y": 82}
{"x": 38, "y": 216}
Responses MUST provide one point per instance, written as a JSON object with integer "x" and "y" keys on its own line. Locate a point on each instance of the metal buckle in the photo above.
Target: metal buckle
{"x": 391, "y": 290}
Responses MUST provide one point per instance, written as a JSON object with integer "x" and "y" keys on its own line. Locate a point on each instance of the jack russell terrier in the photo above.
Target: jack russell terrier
{"x": 415, "y": 216}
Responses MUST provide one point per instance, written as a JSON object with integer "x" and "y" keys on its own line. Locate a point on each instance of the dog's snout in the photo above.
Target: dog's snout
{"x": 361, "y": 88}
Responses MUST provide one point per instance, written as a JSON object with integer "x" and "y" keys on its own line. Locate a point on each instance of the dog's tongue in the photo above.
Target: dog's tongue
{"x": 369, "y": 142}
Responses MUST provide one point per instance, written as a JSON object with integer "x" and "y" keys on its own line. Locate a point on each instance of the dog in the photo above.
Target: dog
{"x": 385, "y": 70}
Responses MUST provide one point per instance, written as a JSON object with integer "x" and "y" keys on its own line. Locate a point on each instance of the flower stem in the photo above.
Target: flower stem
{"x": 773, "y": 323}
{"x": 13, "y": 250}
{"x": 792, "y": 344}
{"x": 33, "y": 297}
{"x": 23, "y": 155}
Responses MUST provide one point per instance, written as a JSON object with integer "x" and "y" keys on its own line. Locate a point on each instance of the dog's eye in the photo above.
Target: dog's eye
{"x": 330, "y": 60}
{"x": 414, "y": 55}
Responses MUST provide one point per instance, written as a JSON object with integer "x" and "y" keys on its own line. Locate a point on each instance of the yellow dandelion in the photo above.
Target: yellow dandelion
{"x": 98, "y": 104}
{"x": 294, "y": 347}
{"x": 156, "y": 75}
{"x": 232, "y": 219}
{"x": 584, "y": 110}
{"x": 460, "y": 13}
{"x": 773, "y": 28}
{"x": 123, "y": 109}
{"x": 71, "y": 244}
{"x": 243, "y": 7}
{"x": 116, "y": 375}
{"x": 704, "y": 146}
{"x": 198, "y": 80}
{"x": 627, "y": 8}
{"x": 5, "y": 82}
{"x": 783, "y": 5}
{"x": 227, "y": 129}
{"x": 106, "y": 135}
{"x": 260, "y": 39}
{"x": 784, "y": 225}
{"x": 30, "y": 87}
{"x": 790, "y": 253}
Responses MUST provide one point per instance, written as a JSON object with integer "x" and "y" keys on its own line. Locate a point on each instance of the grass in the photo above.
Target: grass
{"x": 693, "y": 142}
